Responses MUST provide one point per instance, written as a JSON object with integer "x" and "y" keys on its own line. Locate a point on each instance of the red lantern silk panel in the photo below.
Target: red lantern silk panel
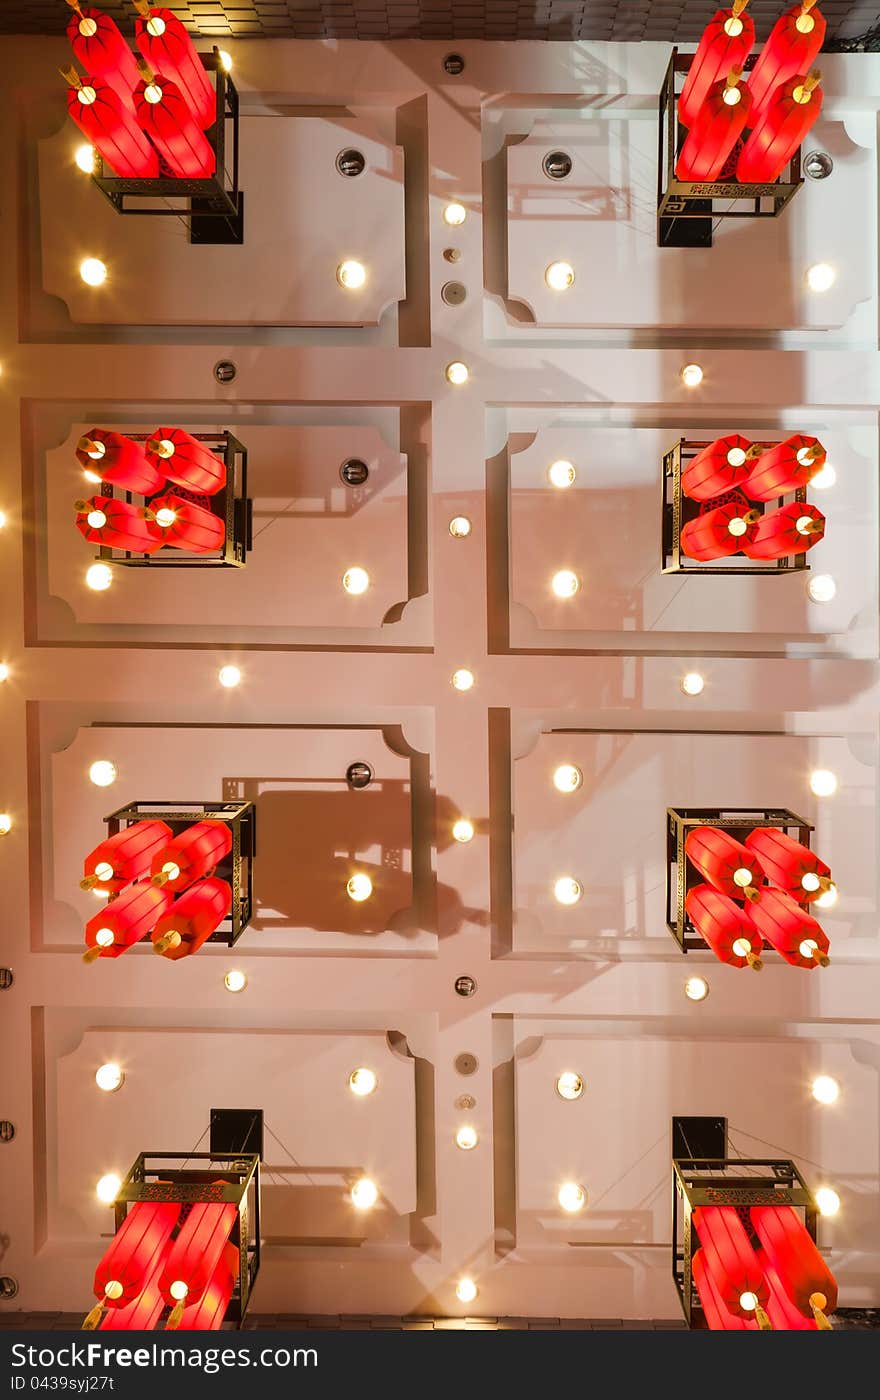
{"x": 119, "y": 859}
{"x": 168, "y": 49}
{"x": 192, "y": 919}
{"x": 104, "y": 520}
{"x": 718, "y": 532}
{"x": 191, "y": 854}
{"x": 111, "y": 128}
{"x": 120, "y": 924}
{"x": 792, "y": 529}
{"x": 733, "y": 1264}
{"x": 132, "y": 1254}
{"x": 723, "y": 465}
{"x": 718, "y": 1315}
{"x": 100, "y": 48}
{"x": 185, "y": 525}
{"x": 208, "y": 1314}
{"x": 195, "y": 1254}
{"x": 777, "y": 133}
{"x": 791, "y": 48}
{"x": 793, "y": 932}
{"x": 730, "y": 935}
{"x": 726, "y": 43}
{"x": 716, "y": 128}
{"x": 121, "y": 461}
{"x": 780, "y": 1309}
{"x": 165, "y": 117}
{"x": 795, "y": 1258}
{"x": 722, "y": 860}
{"x": 142, "y": 1314}
{"x": 786, "y": 467}
{"x": 186, "y": 461}
{"x": 788, "y": 864}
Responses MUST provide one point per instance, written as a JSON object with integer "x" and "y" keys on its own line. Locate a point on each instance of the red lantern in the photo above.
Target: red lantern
{"x": 110, "y": 127}
{"x": 105, "y": 520}
{"x": 718, "y": 532}
{"x": 786, "y": 467}
{"x": 723, "y": 465}
{"x": 130, "y": 916}
{"x": 717, "y": 1313}
{"x": 727, "y": 41}
{"x": 715, "y": 130}
{"x": 803, "y": 1272}
{"x": 185, "y": 525}
{"x": 191, "y": 854}
{"x": 129, "y": 1259}
{"x": 143, "y": 1314}
{"x": 186, "y": 461}
{"x": 119, "y": 859}
{"x": 780, "y": 129}
{"x": 780, "y": 1309}
{"x": 793, "y": 932}
{"x": 192, "y": 919}
{"x": 208, "y": 1315}
{"x": 162, "y": 112}
{"x": 167, "y": 47}
{"x": 789, "y": 865}
{"x": 99, "y": 46}
{"x": 112, "y": 457}
{"x": 792, "y": 529}
{"x": 730, "y": 1259}
{"x": 723, "y": 861}
{"x": 791, "y": 48}
{"x": 194, "y": 1256}
{"x": 724, "y": 927}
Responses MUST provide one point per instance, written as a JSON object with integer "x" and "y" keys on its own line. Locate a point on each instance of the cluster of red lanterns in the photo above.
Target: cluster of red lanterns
{"x": 142, "y": 868}
{"x": 757, "y": 893}
{"x": 777, "y": 104}
{"x": 760, "y": 1271}
{"x": 730, "y": 477}
{"x": 166, "y": 1256}
{"x": 170, "y": 458}
{"x": 146, "y": 115}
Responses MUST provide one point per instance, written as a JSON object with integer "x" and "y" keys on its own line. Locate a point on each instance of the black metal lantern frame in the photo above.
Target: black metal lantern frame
{"x": 211, "y": 207}
{"x": 676, "y": 510}
{"x": 237, "y": 867}
{"x": 212, "y": 1178}
{"x": 687, "y": 209}
{"x": 738, "y": 1182}
{"x": 231, "y": 503}
{"x": 682, "y": 876}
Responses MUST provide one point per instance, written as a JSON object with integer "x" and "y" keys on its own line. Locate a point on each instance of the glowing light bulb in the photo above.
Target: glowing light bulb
{"x": 84, "y": 157}
{"x": 457, "y": 372}
{"x": 225, "y": 60}
{"x": 804, "y": 523}
{"x": 823, "y": 782}
{"x": 691, "y": 376}
{"x": 93, "y": 272}
{"x": 821, "y": 277}
{"x": 102, "y": 772}
{"x": 2, "y": 519}
{"x": 5, "y": 823}
{"x": 748, "y": 1302}
{"x": 565, "y": 584}
{"x": 460, "y": 527}
{"x": 355, "y": 580}
{"x": 559, "y": 276}
{"x": 165, "y": 516}
{"x": 567, "y": 890}
{"x": 466, "y": 1290}
{"x": 808, "y": 948}
{"x": 351, "y": 274}
{"x": 827, "y": 899}
{"x": 4, "y": 672}
{"x": 86, "y": 95}
{"x": 825, "y": 1089}
{"x": 107, "y": 1188}
{"x": 731, "y": 96}
{"x": 171, "y": 869}
{"x": 733, "y": 26}
{"x": 810, "y": 882}
{"x": 104, "y": 938}
{"x": 155, "y": 26}
{"x": 741, "y": 947}
{"x": 229, "y": 676}
{"x": 362, "y": 1081}
{"x": 567, "y": 778}
{"x": 104, "y": 870}
{"x": 359, "y": 887}
{"x": 454, "y": 214}
{"x": 696, "y": 989}
{"x": 463, "y": 830}
{"x": 569, "y": 1085}
{"x": 88, "y": 28}
{"x": 164, "y": 448}
{"x": 96, "y": 519}
{"x": 467, "y": 1138}
{"x": 692, "y": 683}
{"x": 235, "y": 980}
{"x": 736, "y": 457}
{"x": 742, "y": 877}
{"x": 805, "y": 23}
{"x": 109, "y": 1077}
{"x": 153, "y": 93}
{"x": 562, "y": 474}
{"x": 572, "y": 1197}
{"x": 822, "y": 588}
{"x": 827, "y": 1200}
{"x": 463, "y": 679}
{"x": 825, "y": 477}
{"x": 94, "y": 477}
{"x": 178, "y": 1290}
{"x": 737, "y": 526}
{"x": 364, "y": 1193}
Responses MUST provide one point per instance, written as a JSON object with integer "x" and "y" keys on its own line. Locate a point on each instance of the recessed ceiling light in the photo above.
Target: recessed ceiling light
{"x": 355, "y": 580}
{"x": 828, "y": 898}
{"x": 691, "y": 376}
{"x": 362, "y": 1081}
{"x": 567, "y": 890}
{"x": 107, "y": 1188}
{"x": 572, "y": 1196}
{"x": 567, "y": 778}
{"x": 454, "y": 214}
{"x": 825, "y": 1089}
{"x": 225, "y": 60}
{"x": 460, "y": 527}
{"x": 93, "y": 272}
{"x": 84, "y": 157}
{"x": 463, "y": 830}
{"x": 457, "y": 372}
{"x": 351, "y": 274}
{"x": 4, "y": 671}
{"x": 696, "y": 989}
{"x": 827, "y": 1200}
{"x": 109, "y": 1077}
{"x": 559, "y": 276}
{"x": 823, "y": 782}
{"x": 569, "y": 1085}
{"x": 692, "y": 683}
{"x": 467, "y": 1138}
{"x": 359, "y": 887}
{"x": 229, "y": 676}
{"x": 565, "y": 583}
{"x": 463, "y": 679}
{"x": 5, "y": 823}
{"x": 822, "y": 588}
{"x": 102, "y": 772}
{"x": 562, "y": 474}
{"x": 235, "y": 980}
{"x": 2, "y": 519}
{"x": 364, "y": 1193}
{"x": 821, "y": 277}
{"x": 825, "y": 477}
{"x": 466, "y": 1290}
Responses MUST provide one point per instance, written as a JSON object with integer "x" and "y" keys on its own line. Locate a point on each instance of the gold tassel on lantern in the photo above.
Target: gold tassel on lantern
{"x": 171, "y": 939}
{"x": 818, "y": 1303}
{"x": 175, "y": 1315}
{"x": 763, "y": 1321}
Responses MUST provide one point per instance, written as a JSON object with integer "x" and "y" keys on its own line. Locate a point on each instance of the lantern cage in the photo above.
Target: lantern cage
{"x": 676, "y": 510}
{"x": 687, "y": 209}
{"x": 231, "y": 503}
{"x": 212, "y": 207}
{"x": 237, "y": 867}
{"x": 738, "y": 1182}
{"x": 204, "y": 1177}
{"x": 682, "y": 876}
